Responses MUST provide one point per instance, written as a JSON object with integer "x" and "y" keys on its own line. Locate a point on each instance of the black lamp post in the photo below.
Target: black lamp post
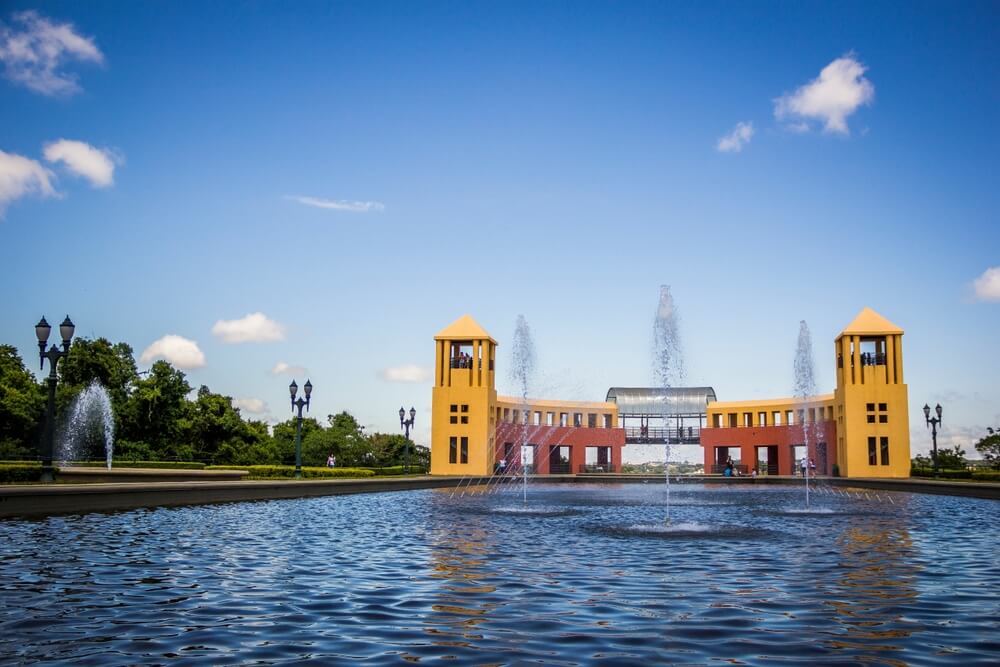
{"x": 53, "y": 354}
{"x": 933, "y": 423}
{"x": 405, "y": 423}
{"x": 293, "y": 389}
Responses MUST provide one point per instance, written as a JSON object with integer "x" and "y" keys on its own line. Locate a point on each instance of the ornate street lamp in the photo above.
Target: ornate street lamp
{"x": 53, "y": 354}
{"x": 405, "y": 423}
{"x": 293, "y": 389}
{"x": 933, "y": 423}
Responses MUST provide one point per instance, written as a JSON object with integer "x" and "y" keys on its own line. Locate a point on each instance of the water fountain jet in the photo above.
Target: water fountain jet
{"x": 90, "y": 417}
{"x": 805, "y": 387}
{"x": 668, "y": 366}
{"x": 522, "y": 372}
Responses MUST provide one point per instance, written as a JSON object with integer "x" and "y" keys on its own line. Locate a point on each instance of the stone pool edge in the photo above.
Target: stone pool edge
{"x": 43, "y": 500}
{"x": 984, "y": 490}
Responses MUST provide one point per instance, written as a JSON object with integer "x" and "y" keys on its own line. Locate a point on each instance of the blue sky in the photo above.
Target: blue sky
{"x": 161, "y": 165}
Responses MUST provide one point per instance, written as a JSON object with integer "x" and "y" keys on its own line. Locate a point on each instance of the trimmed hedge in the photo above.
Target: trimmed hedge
{"x": 15, "y": 473}
{"x": 987, "y": 476}
{"x": 396, "y": 470}
{"x": 946, "y": 474}
{"x": 288, "y": 472}
{"x": 164, "y": 465}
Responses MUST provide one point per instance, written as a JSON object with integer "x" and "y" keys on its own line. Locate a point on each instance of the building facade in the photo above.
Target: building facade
{"x": 476, "y": 432}
{"x": 860, "y": 430}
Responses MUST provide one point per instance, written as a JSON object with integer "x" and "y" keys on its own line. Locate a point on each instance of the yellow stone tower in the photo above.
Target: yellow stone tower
{"x": 464, "y": 400}
{"x": 873, "y": 422}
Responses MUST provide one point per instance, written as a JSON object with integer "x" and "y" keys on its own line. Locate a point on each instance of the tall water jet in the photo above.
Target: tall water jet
{"x": 805, "y": 388}
{"x": 522, "y": 370}
{"x": 91, "y": 425}
{"x": 668, "y": 365}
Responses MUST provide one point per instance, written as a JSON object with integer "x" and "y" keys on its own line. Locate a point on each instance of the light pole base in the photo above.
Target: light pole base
{"x": 48, "y": 475}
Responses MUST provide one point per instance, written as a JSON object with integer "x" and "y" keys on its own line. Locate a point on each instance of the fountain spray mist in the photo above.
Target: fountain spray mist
{"x": 522, "y": 370}
{"x": 805, "y": 387}
{"x": 668, "y": 364}
{"x": 90, "y": 417}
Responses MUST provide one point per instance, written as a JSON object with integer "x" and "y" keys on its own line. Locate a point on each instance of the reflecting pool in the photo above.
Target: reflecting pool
{"x": 583, "y": 573}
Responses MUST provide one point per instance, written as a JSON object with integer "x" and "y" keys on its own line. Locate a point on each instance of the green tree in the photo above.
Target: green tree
{"x": 156, "y": 415}
{"x": 216, "y": 430}
{"x": 389, "y": 449}
{"x": 22, "y": 407}
{"x": 420, "y": 457}
{"x": 989, "y": 448}
{"x": 283, "y": 435}
{"x": 319, "y": 444}
{"x": 352, "y": 448}
{"x": 110, "y": 364}
{"x": 952, "y": 459}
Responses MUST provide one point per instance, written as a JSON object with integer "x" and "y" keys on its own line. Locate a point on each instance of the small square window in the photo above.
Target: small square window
{"x": 465, "y": 408}
{"x": 871, "y": 407}
{"x": 453, "y": 419}
{"x": 883, "y": 419}
{"x": 883, "y": 407}
{"x": 871, "y": 419}
{"x": 465, "y": 420}
{"x": 454, "y": 408}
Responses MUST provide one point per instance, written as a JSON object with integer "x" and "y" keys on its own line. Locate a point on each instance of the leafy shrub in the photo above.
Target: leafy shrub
{"x": 168, "y": 465}
{"x": 15, "y": 473}
{"x": 132, "y": 451}
{"x": 986, "y": 476}
{"x": 944, "y": 474}
{"x": 395, "y": 470}
{"x": 288, "y": 472}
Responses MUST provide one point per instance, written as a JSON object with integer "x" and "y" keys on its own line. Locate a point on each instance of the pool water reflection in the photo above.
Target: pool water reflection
{"x": 420, "y": 576}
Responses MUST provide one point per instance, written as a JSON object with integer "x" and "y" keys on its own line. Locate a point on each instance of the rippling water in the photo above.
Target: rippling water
{"x": 422, "y": 576}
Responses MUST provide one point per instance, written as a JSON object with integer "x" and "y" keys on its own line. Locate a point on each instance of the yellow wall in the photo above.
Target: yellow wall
{"x": 862, "y": 386}
{"x": 814, "y": 409}
{"x": 509, "y": 409}
{"x": 473, "y": 387}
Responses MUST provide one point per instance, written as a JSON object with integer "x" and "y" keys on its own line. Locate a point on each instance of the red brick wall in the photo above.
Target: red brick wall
{"x": 576, "y": 438}
{"x": 748, "y": 438}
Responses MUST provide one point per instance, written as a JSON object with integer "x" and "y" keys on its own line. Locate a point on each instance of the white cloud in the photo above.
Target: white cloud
{"x": 339, "y": 205}
{"x": 737, "y": 139}
{"x": 34, "y": 51}
{"x": 252, "y": 405}
{"x": 407, "y": 373}
{"x": 987, "y": 286}
{"x": 179, "y": 351}
{"x": 97, "y": 165}
{"x": 254, "y": 328}
{"x": 21, "y": 176}
{"x": 281, "y": 368}
{"x": 836, "y": 94}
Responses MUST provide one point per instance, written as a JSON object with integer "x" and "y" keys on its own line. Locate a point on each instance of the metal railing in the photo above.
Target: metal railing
{"x": 597, "y": 467}
{"x": 686, "y": 435}
{"x": 720, "y": 468}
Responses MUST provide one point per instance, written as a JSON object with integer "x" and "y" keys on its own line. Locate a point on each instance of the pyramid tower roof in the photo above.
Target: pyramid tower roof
{"x": 868, "y": 322}
{"x": 464, "y": 328}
